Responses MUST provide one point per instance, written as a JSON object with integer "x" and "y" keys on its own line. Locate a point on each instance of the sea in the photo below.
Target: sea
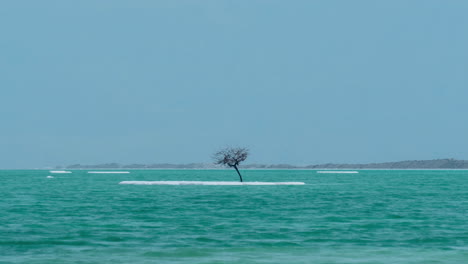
{"x": 373, "y": 216}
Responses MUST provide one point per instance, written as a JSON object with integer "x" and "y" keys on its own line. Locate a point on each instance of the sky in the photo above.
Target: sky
{"x": 298, "y": 82}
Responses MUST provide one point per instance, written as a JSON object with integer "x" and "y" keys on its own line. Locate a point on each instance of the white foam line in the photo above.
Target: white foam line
{"x": 332, "y": 171}
{"x": 59, "y": 171}
{"x": 108, "y": 172}
{"x": 207, "y": 183}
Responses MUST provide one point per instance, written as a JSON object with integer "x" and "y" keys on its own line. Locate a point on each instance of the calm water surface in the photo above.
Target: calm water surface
{"x": 370, "y": 217}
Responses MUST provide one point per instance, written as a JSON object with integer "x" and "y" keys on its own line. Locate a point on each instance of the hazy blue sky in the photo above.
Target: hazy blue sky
{"x": 300, "y": 82}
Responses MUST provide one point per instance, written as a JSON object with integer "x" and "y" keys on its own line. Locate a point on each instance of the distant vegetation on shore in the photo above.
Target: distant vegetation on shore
{"x": 409, "y": 164}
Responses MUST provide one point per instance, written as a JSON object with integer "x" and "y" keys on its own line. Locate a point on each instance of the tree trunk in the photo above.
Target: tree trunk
{"x": 235, "y": 167}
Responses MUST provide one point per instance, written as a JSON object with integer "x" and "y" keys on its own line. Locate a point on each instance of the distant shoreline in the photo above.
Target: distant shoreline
{"x": 226, "y": 168}
{"x": 435, "y": 164}
{"x": 247, "y": 169}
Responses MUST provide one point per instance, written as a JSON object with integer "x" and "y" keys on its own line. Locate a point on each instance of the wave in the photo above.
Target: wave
{"x": 207, "y": 183}
{"x": 333, "y": 171}
{"x": 59, "y": 171}
{"x": 108, "y": 172}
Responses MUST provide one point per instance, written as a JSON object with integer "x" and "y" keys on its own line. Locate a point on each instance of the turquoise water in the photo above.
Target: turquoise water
{"x": 370, "y": 217}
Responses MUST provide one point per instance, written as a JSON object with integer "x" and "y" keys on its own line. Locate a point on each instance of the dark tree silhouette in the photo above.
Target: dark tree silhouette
{"x": 231, "y": 157}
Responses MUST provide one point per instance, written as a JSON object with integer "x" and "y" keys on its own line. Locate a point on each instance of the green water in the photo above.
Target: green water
{"x": 370, "y": 217}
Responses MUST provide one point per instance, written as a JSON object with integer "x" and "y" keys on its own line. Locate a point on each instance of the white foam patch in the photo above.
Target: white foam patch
{"x": 50, "y": 177}
{"x": 59, "y": 171}
{"x": 207, "y": 183}
{"x": 108, "y": 172}
{"x": 333, "y": 171}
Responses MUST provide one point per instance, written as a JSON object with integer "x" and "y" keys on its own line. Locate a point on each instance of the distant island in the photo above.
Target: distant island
{"x": 409, "y": 164}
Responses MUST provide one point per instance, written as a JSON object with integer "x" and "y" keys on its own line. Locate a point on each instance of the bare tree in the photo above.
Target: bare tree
{"x": 231, "y": 157}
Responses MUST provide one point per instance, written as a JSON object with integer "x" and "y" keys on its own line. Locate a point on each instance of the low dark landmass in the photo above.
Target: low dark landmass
{"x": 409, "y": 164}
